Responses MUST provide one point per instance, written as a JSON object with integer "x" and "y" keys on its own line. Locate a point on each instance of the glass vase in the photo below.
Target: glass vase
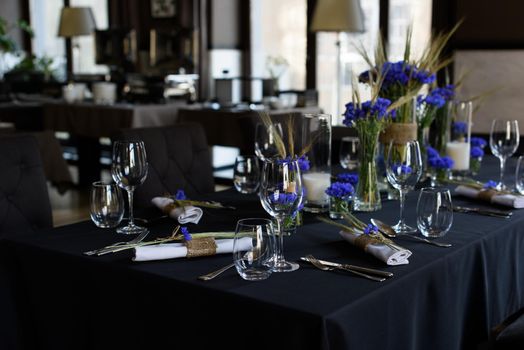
{"x": 474, "y": 165}
{"x": 442, "y": 125}
{"x": 367, "y": 195}
{"x": 458, "y": 147}
{"x": 339, "y": 206}
{"x": 316, "y": 139}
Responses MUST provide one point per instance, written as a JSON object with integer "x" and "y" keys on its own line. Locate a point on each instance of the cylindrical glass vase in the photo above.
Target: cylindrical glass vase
{"x": 458, "y": 146}
{"x": 316, "y": 141}
{"x": 339, "y": 206}
{"x": 367, "y": 195}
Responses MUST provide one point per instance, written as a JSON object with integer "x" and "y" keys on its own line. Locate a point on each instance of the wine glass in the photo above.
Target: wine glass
{"x": 246, "y": 176}
{"x": 434, "y": 212}
{"x": 519, "y": 175}
{"x": 403, "y": 170}
{"x": 281, "y": 194}
{"x": 503, "y": 141}
{"x": 348, "y": 152}
{"x": 129, "y": 170}
{"x": 266, "y": 140}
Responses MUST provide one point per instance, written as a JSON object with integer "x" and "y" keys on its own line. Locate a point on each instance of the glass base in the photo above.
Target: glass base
{"x": 131, "y": 230}
{"x": 316, "y": 208}
{"x": 284, "y": 266}
{"x": 403, "y": 229}
{"x": 359, "y": 205}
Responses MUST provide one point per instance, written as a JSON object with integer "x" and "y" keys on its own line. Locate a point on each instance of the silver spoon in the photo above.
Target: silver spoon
{"x": 390, "y": 232}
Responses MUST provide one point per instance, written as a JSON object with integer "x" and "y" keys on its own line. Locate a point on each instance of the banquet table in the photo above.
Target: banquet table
{"x": 445, "y": 298}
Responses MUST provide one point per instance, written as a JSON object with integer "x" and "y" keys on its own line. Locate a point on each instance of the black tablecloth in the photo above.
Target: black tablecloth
{"x": 444, "y": 299}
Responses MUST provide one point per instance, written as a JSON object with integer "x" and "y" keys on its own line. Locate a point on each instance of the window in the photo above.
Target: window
{"x": 278, "y": 30}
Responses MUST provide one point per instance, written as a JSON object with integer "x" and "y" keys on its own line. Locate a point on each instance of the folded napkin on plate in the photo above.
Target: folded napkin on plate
{"x": 179, "y": 250}
{"x": 380, "y": 251}
{"x": 182, "y": 214}
{"x": 492, "y": 196}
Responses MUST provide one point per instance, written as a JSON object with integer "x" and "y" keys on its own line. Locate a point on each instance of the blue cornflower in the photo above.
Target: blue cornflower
{"x": 440, "y": 162}
{"x": 340, "y": 190}
{"x": 370, "y": 229}
{"x": 303, "y": 163}
{"x": 447, "y": 162}
{"x": 348, "y": 177}
{"x": 185, "y": 232}
{"x": 490, "y": 184}
{"x": 448, "y": 92}
{"x": 432, "y": 153}
{"x": 376, "y": 109}
{"x": 460, "y": 127}
{"x": 180, "y": 195}
{"x": 478, "y": 142}
{"x": 400, "y": 73}
{"x": 476, "y": 152}
{"x": 433, "y": 98}
{"x": 283, "y": 198}
{"x": 402, "y": 169}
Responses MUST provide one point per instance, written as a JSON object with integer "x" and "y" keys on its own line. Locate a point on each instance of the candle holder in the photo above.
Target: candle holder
{"x": 458, "y": 147}
{"x": 316, "y": 138}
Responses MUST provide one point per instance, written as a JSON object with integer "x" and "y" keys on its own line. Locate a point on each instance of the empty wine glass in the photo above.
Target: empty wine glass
{"x": 403, "y": 170}
{"x": 503, "y": 141}
{"x": 129, "y": 170}
{"x": 247, "y": 174}
{"x": 348, "y": 153}
{"x": 106, "y": 204}
{"x": 266, "y": 140}
{"x": 280, "y": 194}
{"x": 434, "y": 212}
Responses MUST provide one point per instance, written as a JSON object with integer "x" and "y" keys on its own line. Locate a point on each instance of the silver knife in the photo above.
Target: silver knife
{"x": 353, "y": 267}
{"x": 483, "y": 211}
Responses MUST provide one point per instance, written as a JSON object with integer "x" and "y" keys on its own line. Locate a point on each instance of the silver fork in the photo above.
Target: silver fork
{"x": 314, "y": 261}
{"x": 135, "y": 240}
{"x": 213, "y": 274}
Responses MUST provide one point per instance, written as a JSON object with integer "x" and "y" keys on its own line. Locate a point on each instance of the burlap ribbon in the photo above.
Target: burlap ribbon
{"x": 363, "y": 241}
{"x": 167, "y": 209}
{"x": 201, "y": 247}
{"x": 486, "y": 195}
{"x": 399, "y": 133}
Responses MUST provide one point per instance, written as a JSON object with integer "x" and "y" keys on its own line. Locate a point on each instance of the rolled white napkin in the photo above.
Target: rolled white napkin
{"x": 509, "y": 200}
{"x": 381, "y": 251}
{"x": 183, "y": 215}
{"x": 179, "y": 250}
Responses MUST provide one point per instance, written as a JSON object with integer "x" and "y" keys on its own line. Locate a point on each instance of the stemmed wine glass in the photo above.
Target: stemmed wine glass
{"x": 280, "y": 194}
{"x": 266, "y": 144}
{"x": 503, "y": 141}
{"x": 403, "y": 170}
{"x": 129, "y": 170}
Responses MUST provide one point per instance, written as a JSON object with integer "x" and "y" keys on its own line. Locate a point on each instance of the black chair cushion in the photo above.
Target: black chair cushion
{"x": 511, "y": 333}
{"x": 24, "y": 201}
{"x": 178, "y": 158}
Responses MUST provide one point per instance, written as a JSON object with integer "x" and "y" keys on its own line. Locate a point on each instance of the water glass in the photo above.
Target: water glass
{"x": 519, "y": 175}
{"x": 504, "y": 141}
{"x": 106, "y": 204}
{"x": 434, "y": 212}
{"x": 247, "y": 174}
{"x": 253, "y": 248}
{"x": 348, "y": 152}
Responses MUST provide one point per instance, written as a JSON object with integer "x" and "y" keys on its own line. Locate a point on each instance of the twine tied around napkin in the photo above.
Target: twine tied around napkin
{"x": 183, "y": 214}
{"x": 491, "y": 196}
{"x": 486, "y": 195}
{"x": 201, "y": 247}
{"x": 389, "y": 253}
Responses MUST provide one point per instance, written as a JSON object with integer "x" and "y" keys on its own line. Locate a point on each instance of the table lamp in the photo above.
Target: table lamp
{"x": 75, "y": 21}
{"x": 338, "y": 16}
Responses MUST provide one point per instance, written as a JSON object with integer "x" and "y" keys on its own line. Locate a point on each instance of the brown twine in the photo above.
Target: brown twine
{"x": 486, "y": 195}
{"x": 399, "y": 133}
{"x": 363, "y": 241}
{"x": 201, "y": 247}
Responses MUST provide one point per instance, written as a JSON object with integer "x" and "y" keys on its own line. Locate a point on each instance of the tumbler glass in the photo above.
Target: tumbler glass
{"x": 434, "y": 212}
{"x": 106, "y": 204}
{"x": 348, "y": 153}
{"x": 247, "y": 174}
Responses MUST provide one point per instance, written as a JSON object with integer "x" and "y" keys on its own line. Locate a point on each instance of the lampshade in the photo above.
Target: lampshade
{"x": 76, "y": 21}
{"x": 338, "y": 16}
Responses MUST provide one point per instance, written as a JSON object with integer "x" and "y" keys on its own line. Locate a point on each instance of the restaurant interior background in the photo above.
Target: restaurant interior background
{"x": 184, "y": 58}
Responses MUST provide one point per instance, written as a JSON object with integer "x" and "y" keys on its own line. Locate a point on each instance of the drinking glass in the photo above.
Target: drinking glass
{"x": 253, "y": 248}
{"x": 403, "y": 170}
{"x": 348, "y": 152}
{"x": 266, "y": 145}
{"x": 106, "y": 204}
{"x": 503, "y": 141}
{"x": 129, "y": 170}
{"x": 247, "y": 174}
{"x": 519, "y": 175}
{"x": 281, "y": 194}
{"x": 434, "y": 212}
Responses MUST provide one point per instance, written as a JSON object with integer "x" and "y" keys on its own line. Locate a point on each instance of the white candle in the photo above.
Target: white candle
{"x": 459, "y": 152}
{"x": 316, "y": 185}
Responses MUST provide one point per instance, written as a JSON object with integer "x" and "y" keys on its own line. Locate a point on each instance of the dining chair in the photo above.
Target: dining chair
{"x": 24, "y": 200}
{"x": 509, "y": 334}
{"x": 178, "y": 157}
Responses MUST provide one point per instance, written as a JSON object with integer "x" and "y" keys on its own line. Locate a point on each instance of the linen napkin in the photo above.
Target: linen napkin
{"x": 183, "y": 214}
{"x": 381, "y": 251}
{"x": 179, "y": 250}
{"x": 510, "y": 200}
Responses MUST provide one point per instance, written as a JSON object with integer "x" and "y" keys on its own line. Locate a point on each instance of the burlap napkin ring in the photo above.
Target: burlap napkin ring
{"x": 486, "y": 194}
{"x": 201, "y": 247}
{"x": 362, "y": 241}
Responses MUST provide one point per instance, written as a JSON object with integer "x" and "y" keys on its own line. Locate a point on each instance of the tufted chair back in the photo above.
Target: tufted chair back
{"x": 178, "y": 158}
{"x": 24, "y": 201}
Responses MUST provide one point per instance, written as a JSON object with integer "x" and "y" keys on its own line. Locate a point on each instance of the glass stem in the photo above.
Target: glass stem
{"x": 279, "y": 242}
{"x": 130, "y": 201}
{"x": 502, "y": 167}
{"x": 402, "y": 195}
